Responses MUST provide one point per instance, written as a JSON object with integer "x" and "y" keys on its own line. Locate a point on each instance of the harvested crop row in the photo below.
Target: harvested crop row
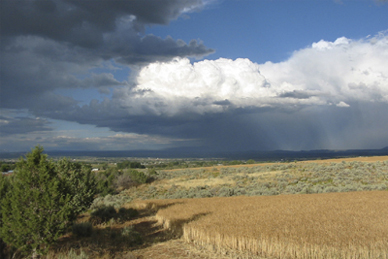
{"x": 330, "y": 225}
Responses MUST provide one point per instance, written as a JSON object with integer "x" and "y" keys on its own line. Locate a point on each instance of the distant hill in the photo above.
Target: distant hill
{"x": 199, "y": 153}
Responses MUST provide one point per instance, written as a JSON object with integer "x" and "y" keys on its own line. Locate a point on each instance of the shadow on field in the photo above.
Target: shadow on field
{"x": 176, "y": 226}
{"x": 109, "y": 241}
{"x": 118, "y": 239}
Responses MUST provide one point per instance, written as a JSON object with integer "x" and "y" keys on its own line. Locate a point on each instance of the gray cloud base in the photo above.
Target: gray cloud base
{"x": 45, "y": 44}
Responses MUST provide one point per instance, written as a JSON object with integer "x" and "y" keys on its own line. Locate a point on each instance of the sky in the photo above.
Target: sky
{"x": 214, "y": 75}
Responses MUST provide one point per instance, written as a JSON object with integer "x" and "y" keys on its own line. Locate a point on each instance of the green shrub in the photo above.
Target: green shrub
{"x": 104, "y": 187}
{"x": 4, "y": 186}
{"x": 226, "y": 192}
{"x": 124, "y": 181}
{"x": 103, "y": 214}
{"x": 110, "y": 200}
{"x": 251, "y": 161}
{"x": 127, "y": 214}
{"x": 152, "y": 172}
{"x": 138, "y": 177}
{"x": 129, "y": 164}
{"x": 80, "y": 181}
{"x": 108, "y": 214}
{"x": 84, "y": 229}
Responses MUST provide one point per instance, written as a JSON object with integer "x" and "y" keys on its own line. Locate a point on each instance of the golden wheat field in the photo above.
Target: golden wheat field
{"x": 330, "y": 225}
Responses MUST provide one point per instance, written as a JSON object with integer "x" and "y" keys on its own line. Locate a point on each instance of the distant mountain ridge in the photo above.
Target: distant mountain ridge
{"x": 199, "y": 153}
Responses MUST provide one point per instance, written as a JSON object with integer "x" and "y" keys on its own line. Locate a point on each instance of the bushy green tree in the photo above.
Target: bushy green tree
{"x": 129, "y": 164}
{"x": 80, "y": 184}
{"x": 138, "y": 177}
{"x": 105, "y": 182}
{"x": 4, "y": 187}
{"x": 251, "y": 161}
{"x": 42, "y": 203}
{"x": 5, "y": 167}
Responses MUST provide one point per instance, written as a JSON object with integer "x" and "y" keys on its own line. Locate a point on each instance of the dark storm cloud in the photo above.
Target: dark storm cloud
{"x": 95, "y": 25}
{"x": 225, "y": 102}
{"x": 22, "y": 125}
{"x": 296, "y": 94}
{"x": 83, "y": 23}
{"x": 306, "y": 128}
{"x": 54, "y": 44}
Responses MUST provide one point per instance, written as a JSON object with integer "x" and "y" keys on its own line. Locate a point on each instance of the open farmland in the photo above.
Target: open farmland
{"x": 345, "y": 218}
{"x": 307, "y": 209}
{"x": 331, "y": 225}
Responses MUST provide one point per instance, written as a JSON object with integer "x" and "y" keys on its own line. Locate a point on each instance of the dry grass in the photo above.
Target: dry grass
{"x": 331, "y": 225}
{"x": 351, "y": 159}
{"x": 323, "y": 161}
{"x": 226, "y": 180}
{"x": 199, "y": 182}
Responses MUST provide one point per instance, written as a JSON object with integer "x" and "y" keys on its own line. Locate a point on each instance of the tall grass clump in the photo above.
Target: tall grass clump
{"x": 116, "y": 201}
{"x": 72, "y": 254}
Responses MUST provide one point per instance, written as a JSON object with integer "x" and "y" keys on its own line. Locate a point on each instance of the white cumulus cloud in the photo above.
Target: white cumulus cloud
{"x": 326, "y": 73}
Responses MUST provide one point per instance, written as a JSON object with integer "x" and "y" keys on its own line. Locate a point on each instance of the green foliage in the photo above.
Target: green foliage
{"x": 110, "y": 200}
{"x": 152, "y": 172}
{"x": 104, "y": 166}
{"x": 4, "y": 187}
{"x": 129, "y": 164}
{"x": 113, "y": 170}
{"x": 84, "y": 229}
{"x": 127, "y": 214}
{"x": 138, "y": 177}
{"x": 43, "y": 201}
{"x": 127, "y": 179}
{"x": 273, "y": 179}
{"x": 104, "y": 185}
{"x": 124, "y": 181}
{"x": 80, "y": 184}
{"x": 103, "y": 214}
{"x": 234, "y": 162}
{"x": 5, "y": 167}
{"x": 251, "y": 161}
{"x": 36, "y": 211}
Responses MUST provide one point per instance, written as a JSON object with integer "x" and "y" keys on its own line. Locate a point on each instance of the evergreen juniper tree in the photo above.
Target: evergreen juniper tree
{"x": 4, "y": 187}
{"x": 80, "y": 183}
{"x": 43, "y": 202}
